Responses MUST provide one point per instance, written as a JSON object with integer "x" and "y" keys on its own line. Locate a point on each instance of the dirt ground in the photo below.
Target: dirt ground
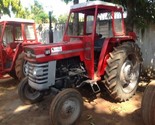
{"x": 98, "y": 109}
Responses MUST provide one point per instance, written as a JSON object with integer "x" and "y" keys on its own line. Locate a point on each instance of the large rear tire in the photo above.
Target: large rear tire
{"x": 148, "y": 105}
{"x": 66, "y": 107}
{"x": 20, "y": 66}
{"x": 27, "y": 94}
{"x": 122, "y": 71}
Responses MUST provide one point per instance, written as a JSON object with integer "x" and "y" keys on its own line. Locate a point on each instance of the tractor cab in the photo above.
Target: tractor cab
{"x": 98, "y": 22}
{"x": 14, "y": 34}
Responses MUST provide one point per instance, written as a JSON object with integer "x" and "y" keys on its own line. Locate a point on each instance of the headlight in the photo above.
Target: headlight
{"x": 47, "y": 52}
{"x": 37, "y": 71}
{"x": 29, "y": 53}
{"x": 26, "y": 69}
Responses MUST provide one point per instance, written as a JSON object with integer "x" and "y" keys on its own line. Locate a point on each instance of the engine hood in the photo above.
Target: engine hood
{"x": 54, "y": 51}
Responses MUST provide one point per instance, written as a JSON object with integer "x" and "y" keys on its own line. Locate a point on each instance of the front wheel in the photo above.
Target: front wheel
{"x": 122, "y": 71}
{"x": 27, "y": 94}
{"x": 66, "y": 107}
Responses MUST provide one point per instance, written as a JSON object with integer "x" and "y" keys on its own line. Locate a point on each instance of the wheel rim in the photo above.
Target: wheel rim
{"x": 129, "y": 75}
{"x": 69, "y": 111}
{"x": 31, "y": 93}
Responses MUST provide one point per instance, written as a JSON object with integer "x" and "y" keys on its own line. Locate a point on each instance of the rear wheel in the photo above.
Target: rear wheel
{"x": 122, "y": 71}
{"x": 148, "y": 104}
{"x": 20, "y": 66}
{"x": 27, "y": 94}
{"x": 66, "y": 107}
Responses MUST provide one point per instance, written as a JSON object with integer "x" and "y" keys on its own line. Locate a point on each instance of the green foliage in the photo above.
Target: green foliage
{"x": 38, "y": 13}
{"x": 42, "y": 17}
{"x": 144, "y": 14}
{"x": 63, "y": 18}
{"x": 24, "y": 13}
{"x": 9, "y": 5}
{"x": 74, "y": 1}
{"x": 37, "y": 8}
{"x": 141, "y": 13}
{"x": 67, "y": 1}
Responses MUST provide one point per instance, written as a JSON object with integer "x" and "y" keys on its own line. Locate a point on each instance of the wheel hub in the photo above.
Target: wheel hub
{"x": 127, "y": 70}
{"x": 68, "y": 108}
{"x": 129, "y": 76}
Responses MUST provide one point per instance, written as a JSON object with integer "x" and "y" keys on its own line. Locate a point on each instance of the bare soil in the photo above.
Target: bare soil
{"x": 99, "y": 109}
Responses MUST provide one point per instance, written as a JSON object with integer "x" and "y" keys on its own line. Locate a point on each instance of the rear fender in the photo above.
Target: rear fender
{"x": 106, "y": 49}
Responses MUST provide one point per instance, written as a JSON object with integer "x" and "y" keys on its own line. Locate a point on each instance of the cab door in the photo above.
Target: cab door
{"x": 88, "y": 40}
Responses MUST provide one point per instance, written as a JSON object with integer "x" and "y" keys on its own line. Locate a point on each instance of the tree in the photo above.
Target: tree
{"x": 38, "y": 13}
{"x": 9, "y": 5}
{"x": 24, "y": 13}
{"x": 62, "y": 18}
{"x": 140, "y": 13}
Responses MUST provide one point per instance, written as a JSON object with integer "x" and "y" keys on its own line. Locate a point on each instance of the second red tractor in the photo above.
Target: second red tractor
{"x": 14, "y": 35}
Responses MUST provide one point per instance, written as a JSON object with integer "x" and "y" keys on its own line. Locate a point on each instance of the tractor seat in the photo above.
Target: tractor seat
{"x": 98, "y": 44}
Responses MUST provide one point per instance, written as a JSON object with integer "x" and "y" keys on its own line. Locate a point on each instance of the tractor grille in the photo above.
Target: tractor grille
{"x": 38, "y": 73}
{"x": 41, "y": 76}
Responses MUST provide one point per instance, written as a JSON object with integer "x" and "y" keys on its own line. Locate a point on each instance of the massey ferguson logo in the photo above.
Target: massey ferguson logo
{"x": 56, "y": 49}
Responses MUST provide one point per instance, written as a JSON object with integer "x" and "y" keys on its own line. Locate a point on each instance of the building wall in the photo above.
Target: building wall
{"x": 146, "y": 41}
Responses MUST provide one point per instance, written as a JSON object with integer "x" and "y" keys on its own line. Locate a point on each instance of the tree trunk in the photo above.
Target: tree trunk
{"x": 76, "y": 20}
{"x": 130, "y": 15}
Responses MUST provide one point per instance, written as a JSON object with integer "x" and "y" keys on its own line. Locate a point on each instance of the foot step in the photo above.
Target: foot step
{"x": 95, "y": 87}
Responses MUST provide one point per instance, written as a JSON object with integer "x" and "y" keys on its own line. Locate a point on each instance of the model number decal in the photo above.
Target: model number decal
{"x": 56, "y": 49}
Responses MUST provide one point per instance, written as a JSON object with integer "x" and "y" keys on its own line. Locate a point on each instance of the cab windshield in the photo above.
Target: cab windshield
{"x": 108, "y": 23}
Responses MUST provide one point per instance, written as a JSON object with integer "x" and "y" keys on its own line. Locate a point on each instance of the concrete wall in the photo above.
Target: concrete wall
{"x": 146, "y": 42}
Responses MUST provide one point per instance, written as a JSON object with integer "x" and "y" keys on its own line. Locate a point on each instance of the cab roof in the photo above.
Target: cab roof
{"x": 16, "y": 21}
{"x": 91, "y": 5}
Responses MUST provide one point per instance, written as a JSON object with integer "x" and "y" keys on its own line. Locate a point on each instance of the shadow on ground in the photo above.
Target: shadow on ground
{"x": 99, "y": 109}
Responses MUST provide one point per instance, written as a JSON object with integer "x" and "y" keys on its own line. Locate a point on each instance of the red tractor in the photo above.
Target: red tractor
{"x": 96, "y": 54}
{"x": 14, "y": 35}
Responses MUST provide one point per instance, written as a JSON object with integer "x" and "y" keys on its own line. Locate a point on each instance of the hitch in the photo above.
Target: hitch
{"x": 95, "y": 87}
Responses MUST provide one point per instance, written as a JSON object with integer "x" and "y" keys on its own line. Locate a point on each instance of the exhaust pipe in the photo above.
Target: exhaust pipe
{"x": 50, "y": 28}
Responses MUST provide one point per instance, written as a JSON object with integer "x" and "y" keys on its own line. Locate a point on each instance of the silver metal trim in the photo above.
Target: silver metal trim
{"x": 46, "y": 80}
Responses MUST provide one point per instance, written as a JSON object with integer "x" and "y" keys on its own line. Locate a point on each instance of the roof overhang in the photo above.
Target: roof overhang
{"x": 17, "y": 20}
